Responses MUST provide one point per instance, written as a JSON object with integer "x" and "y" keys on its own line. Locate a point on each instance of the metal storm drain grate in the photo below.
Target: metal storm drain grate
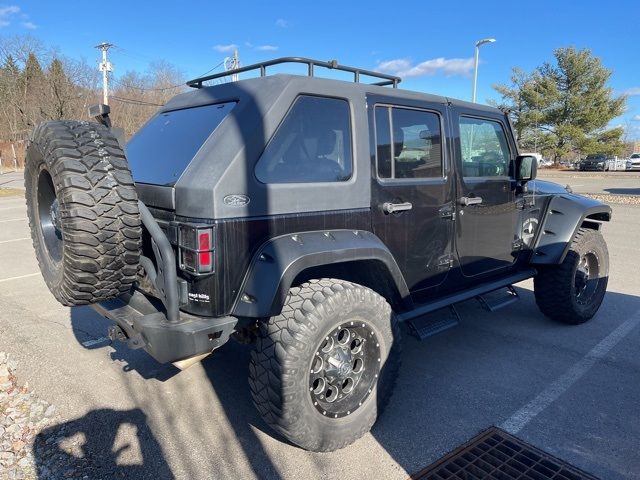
{"x": 494, "y": 454}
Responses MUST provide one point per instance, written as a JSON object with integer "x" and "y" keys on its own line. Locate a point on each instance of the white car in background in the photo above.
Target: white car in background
{"x": 541, "y": 161}
{"x": 634, "y": 162}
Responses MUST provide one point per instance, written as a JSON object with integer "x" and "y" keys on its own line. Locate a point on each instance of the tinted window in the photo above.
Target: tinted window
{"x": 485, "y": 152}
{"x": 164, "y": 146}
{"x": 313, "y": 144}
{"x": 409, "y": 143}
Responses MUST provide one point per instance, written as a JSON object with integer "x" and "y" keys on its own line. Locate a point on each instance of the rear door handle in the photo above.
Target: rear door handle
{"x": 464, "y": 201}
{"x": 389, "y": 207}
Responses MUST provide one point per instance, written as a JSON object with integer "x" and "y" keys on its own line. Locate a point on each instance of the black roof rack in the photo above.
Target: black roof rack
{"x": 311, "y": 64}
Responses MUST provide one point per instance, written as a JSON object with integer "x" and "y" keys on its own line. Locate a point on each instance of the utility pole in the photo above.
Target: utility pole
{"x": 105, "y": 68}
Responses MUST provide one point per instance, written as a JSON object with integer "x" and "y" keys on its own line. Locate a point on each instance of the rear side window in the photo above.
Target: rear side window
{"x": 485, "y": 151}
{"x": 312, "y": 144}
{"x": 164, "y": 146}
{"x": 408, "y": 143}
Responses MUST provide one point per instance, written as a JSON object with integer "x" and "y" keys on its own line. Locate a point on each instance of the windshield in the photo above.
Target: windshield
{"x": 635, "y": 155}
{"x": 164, "y": 146}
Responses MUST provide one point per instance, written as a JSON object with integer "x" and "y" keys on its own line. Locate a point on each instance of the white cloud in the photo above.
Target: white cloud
{"x": 225, "y": 48}
{"x": 636, "y": 118}
{"x": 403, "y": 67}
{"x": 282, "y": 23}
{"x": 29, "y": 25}
{"x": 6, "y": 12}
{"x": 249, "y": 44}
{"x": 632, "y": 92}
{"x": 267, "y": 48}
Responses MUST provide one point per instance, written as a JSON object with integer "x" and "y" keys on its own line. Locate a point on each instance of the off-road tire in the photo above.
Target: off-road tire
{"x": 280, "y": 363}
{"x": 554, "y": 285}
{"x": 99, "y": 233}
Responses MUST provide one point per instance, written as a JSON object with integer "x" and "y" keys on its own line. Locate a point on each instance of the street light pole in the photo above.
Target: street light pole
{"x": 479, "y": 43}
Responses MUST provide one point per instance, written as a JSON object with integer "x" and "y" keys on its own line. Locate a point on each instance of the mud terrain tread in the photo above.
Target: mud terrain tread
{"x": 283, "y": 348}
{"x": 98, "y": 210}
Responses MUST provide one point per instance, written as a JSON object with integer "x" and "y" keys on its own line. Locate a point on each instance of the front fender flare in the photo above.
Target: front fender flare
{"x": 564, "y": 216}
{"x": 278, "y": 261}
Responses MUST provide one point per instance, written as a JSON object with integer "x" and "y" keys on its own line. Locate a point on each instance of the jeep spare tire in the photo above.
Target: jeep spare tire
{"x": 83, "y": 211}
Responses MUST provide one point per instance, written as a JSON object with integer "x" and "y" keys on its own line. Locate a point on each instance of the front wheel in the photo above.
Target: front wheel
{"x": 572, "y": 291}
{"x": 325, "y": 367}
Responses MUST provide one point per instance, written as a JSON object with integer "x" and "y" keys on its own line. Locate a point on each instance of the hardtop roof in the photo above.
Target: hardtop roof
{"x": 255, "y": 87}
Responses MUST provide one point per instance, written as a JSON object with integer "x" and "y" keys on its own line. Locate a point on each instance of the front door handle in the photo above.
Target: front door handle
{"x": 465, "y": 201}
{"x": 389, "y": 207}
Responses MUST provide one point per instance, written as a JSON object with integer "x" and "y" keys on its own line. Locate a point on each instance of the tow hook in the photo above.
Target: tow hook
{"x": 115, "y": 332}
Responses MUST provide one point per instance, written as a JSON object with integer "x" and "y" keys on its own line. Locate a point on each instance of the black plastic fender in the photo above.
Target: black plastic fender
{"x": 278, "y": 261}
{"x": 564, "y": 215}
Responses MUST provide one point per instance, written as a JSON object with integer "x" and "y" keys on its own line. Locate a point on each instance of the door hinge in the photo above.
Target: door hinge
{"x": 517, "y": 245}
{"x": 447, "y": 212}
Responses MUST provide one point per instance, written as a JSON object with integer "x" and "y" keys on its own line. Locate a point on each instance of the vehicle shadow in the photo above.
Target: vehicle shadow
{"x": 451, "y": 387}
{"x": 623, "y": 191}
{"x": 89, "y": 447}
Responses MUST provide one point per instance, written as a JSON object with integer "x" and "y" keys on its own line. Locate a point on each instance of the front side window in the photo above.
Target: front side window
{"x": 313, "y": 144}
{"x": 485, "y": 151}
{"x": 408, "y": 143}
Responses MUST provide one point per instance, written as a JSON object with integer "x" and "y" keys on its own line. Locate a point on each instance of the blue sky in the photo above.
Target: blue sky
{"x": 437, "y": 37}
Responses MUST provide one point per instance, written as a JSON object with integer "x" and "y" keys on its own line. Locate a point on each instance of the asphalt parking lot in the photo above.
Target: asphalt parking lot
{"x": 572, "y": 391}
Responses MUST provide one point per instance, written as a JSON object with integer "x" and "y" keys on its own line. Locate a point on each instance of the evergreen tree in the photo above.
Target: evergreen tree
{"x": 569, "y": 103}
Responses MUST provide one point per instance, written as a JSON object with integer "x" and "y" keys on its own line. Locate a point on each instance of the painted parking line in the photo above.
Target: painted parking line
{"x": 95, "y": 341}
{"x": 19, "y": 277}
{"x": 14, "y": 220}
{"x": 15, "y": 240}
{"x": 522, "y": 417}
{"x": 12, "y": 208}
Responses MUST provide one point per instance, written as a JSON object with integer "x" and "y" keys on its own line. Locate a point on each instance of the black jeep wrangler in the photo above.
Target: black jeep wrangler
{"x": 312, "y": 216}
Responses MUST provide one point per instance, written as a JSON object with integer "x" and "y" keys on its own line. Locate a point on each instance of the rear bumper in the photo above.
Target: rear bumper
{"x": 146, "y": 326}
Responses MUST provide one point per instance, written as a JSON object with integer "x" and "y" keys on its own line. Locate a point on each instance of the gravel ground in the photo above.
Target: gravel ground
{"x": 23, "y": 416}
{"x": 25, "y": 419}
{"x": 619, "y": 199}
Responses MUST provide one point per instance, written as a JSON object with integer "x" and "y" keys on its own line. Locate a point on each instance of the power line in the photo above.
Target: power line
{"x": 144, "y": 89}
{"x": 160, "y": 89}
{"x": 134, "y": 101}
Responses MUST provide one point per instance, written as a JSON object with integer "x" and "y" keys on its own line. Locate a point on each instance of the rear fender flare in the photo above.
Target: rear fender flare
{"x": 564, "y": 216}
{"x": 278, "y": 262}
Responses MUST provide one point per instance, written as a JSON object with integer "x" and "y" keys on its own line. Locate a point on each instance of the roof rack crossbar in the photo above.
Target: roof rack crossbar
{"x": 386, "y": 80}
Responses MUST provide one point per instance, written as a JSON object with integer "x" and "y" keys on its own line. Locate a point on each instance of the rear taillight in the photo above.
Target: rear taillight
{"x": 196, "y": 249}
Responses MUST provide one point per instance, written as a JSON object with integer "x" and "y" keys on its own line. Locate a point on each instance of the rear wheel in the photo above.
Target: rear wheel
{"x": 325, "y": 367}
{"x": 572, "y": 291}
{"x": 83, "y": 211}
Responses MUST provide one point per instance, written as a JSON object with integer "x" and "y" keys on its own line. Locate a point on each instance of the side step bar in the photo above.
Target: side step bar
{"x": 426, "y": 326}
{"x": 465, "y": 295}
{"x": 490, "y": 295}
{"x": 498, "y": 299}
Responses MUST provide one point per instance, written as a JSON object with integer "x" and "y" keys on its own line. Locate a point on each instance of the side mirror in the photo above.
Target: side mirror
{"x": 526, "y": 168}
